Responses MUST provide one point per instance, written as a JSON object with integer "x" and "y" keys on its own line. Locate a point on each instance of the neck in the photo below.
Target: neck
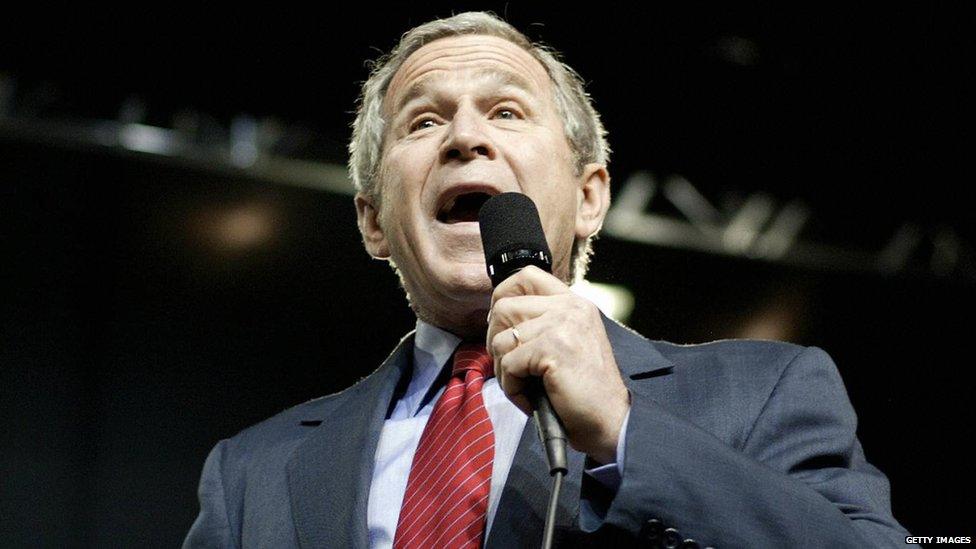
{"x": 469, "y": 325}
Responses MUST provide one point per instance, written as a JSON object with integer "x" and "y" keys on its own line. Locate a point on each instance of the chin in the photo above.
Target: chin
{"x": 469, "y": 283}
{"x": 456, "y": 298}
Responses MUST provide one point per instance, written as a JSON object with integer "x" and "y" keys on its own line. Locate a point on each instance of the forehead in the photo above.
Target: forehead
{"x": 484, "y": 56}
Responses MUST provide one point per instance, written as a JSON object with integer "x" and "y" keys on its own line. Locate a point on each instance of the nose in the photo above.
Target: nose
{"x": 467, "y": 138}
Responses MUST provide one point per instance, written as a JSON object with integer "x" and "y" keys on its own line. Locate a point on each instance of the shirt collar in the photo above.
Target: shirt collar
{"x": 432, "y": 349}
{"x": 434, "y": 342}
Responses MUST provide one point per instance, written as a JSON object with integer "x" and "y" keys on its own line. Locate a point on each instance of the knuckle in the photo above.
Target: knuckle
{"x": 502, "y": 309}
{"x": 583, "y": 309}
{"x": 544, "y": 365}
{"x": 568, "y": 317}
{"x": 497, "y": 345}
{"x": 562, "y": 339}
{"x": 504, "y": 365}
{"x": 509, "y": 366}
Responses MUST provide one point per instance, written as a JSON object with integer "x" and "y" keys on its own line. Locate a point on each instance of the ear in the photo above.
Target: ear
{"x": 593, "y": 199}
{"x": 367, "y": 216}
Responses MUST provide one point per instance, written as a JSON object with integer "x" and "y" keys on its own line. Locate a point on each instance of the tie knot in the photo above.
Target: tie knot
{"x": 473, "y": 356}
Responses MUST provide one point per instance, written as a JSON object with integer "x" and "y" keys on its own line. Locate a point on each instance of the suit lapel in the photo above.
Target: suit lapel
{"x": 329, "y": 474}
{"x": 526, "y": 493}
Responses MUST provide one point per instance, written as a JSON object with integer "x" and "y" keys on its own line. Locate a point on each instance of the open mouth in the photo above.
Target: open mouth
{"x": 462, "y": 208}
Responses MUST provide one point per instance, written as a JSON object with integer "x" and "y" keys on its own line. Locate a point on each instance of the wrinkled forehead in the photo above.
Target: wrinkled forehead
{"x": 485, "y": 58}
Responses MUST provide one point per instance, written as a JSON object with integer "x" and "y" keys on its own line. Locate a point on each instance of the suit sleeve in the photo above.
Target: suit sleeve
{"x": 800, "y": 479}
{"x": 211, "y": 527}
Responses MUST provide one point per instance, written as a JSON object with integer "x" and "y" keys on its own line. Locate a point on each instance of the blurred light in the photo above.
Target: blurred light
{"x": 945, "y": 253}
{"x": 684, "y": 196}
{"x": 899, "y": 249}
{"x": 616, "y": 302}
{"x": 241, "y": 228}
{"x": 774, "y": 324}
{"x": 738, "y": 50}
{"x": 783, "y": 231}
{"x": 742, "y": 230}
{"x": 243, "y": 141}
{"x": 780, "y": 318}
{"x": 149, "y": 139}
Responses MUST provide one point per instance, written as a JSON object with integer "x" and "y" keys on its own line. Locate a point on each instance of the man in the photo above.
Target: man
{"x": 741, "y": 444}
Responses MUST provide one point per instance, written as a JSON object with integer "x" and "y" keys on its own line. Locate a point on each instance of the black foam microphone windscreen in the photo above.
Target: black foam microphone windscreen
{"x": 512, "y": 236}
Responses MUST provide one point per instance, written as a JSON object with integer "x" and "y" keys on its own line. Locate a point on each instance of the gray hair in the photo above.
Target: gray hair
{"x": 581, "y": 122}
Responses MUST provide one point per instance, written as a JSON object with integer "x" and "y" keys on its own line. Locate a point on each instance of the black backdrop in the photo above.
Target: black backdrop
{"x": 130, "y": 344}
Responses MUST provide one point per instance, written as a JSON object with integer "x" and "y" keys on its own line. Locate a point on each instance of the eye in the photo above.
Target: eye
{"x": 506, "y": 114}
{"x": 423, "y": 124}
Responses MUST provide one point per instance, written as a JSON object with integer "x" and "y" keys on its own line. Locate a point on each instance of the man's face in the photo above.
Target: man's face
{"x": 469, "y": 117}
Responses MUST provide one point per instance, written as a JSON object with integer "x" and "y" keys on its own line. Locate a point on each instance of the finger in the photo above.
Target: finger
{"x": 514, "y": 386}
{"x": 515, "y": 376}
{"x": 515, "y": 390}
{"x": 522, "y": 362}
{"x": 513, "y": 311}
{"x": 516, "y": 311}
{"x": 505, "y": 340}
{"x": 529, "y": 281}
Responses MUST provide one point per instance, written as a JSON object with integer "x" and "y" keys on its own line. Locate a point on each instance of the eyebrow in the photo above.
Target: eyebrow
{"x": 501, "y": 78}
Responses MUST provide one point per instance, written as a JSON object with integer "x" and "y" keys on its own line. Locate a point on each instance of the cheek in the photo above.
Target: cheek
{"x": 399, "y": 175}
{"x": 563, "y": 224}
{"x": 542, "y": 158}
{"x": 558, "y": 211}
{"x": 405, "y": 169}
{"x": 402, "y": 205}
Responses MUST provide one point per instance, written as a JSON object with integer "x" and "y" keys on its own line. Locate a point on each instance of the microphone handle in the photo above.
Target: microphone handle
{"x": 550, "y": 428}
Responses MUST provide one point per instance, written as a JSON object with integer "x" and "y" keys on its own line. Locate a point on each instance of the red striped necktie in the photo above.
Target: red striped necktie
{"x": 446, "y": 502}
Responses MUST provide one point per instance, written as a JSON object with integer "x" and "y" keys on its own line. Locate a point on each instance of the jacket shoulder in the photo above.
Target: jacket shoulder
{"x": 272, "y": 439}
{"x": 724, "y": 386}
{"x": 750, "y": 367}
{"x": 741, "y": 354}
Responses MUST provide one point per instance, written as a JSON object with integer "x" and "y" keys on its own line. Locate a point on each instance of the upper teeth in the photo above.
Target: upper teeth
{"x": 450, "y": 204}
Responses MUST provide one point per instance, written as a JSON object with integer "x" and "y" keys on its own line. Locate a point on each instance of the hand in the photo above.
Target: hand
{"x": 561, "y": 340}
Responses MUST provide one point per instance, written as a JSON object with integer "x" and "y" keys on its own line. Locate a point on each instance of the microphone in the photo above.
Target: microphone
{"x": 512, "y": 237}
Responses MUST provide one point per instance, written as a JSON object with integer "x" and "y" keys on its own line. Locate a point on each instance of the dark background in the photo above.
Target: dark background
{"x": 132, "y": 339}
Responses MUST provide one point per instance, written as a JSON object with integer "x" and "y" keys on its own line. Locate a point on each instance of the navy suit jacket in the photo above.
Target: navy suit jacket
{"x": 731, "y": 443}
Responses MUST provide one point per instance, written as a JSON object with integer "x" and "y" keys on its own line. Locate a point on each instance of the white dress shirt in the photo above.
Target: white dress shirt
{"x": 398, "y": 441}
